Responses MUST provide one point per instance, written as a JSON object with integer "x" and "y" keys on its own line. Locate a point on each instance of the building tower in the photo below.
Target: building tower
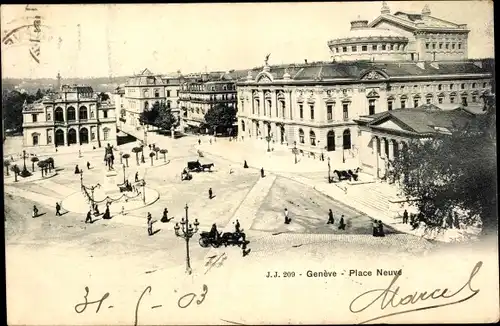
{"x": 58, "y": 81}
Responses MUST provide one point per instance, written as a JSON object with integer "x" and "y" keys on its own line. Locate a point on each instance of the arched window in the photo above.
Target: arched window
{"x": 106, "y": 133}
{"x": 312, "y": 137}
{"x": 71, "y": 114}
{"x": 301, "y": 136}
{"x": 35, "y": 137}
{"x": 145, "y": 93}
{"x": 347, "y": 139}
{"x": 83, "y": 113}
{"x": 59, "y": 115}
{"x": 157, "y": 93}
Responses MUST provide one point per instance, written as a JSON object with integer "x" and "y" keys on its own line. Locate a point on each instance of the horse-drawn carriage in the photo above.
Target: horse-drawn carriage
{"x": 346, "y": 174}
{"x": 223, "y": 238}
{"x": 196, "y": 166}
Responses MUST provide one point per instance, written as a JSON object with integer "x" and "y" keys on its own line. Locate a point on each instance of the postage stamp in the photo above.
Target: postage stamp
{"x": 256, "y": 163}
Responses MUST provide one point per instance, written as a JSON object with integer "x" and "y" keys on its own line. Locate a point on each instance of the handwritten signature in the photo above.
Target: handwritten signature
{"x": 183, "y": 302}
{"x": 389, "y": 296}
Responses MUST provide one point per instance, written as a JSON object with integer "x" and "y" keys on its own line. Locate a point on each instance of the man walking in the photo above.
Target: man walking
{"x": 58, "y": 209}
{"x": 405, "y": 217}
{"x": 137, "y": 177}
{"x": 262, "y": 172}
{"x": 210, "y": 193}
{"x": 287, "y": 219}
{"x": 237, "y": 226}
{"x": 35, "y": 211}
{"x": 330, "y": 217}
{"x": 342, "y": 224}
{"x": 150, "y": 224}
{"x": 199, "y": 141}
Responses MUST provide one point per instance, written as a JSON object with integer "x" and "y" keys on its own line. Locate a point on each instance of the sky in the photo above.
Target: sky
{"x": 104, "y": 40}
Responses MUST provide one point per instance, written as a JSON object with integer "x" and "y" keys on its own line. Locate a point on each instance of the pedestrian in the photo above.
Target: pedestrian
{"x": 89, "y": 218}
{"x": 150, "y": 224}
{"x": 245, "y": 165}
{"x": 210, "y": 141}
{"x": 79, "y": 153}
{"x": 123, "y": 210}
{"x": 380, "y": 229}
{"x": 96, "y": 210}
{"x": 35, "y": 211}
{"x": 342, "y": 223}
{"x": 88, "y": 165}
{"x": 106, "y": 215}
{"x": 199, "y": 141}
{"x": 137, "y": 177}
{"x": 330, "y": 217}
{"x": 375, "y": 228}
{"x": 237, "y": 226}
{"x": 77, "y": 170}
{"x": 164, "y": 219}
{"x": 210, "y": 193}
{"x": 149, "y": 146}
{"x": 58, "y": 209}
{"x": 287, "y": 219}
{"x": 262, "y": 172}
{"x": 405, "y": 217}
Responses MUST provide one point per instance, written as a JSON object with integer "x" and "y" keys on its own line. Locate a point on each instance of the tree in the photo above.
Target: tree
{"x": 42, "y": 165}
{"x": 103, "y": 97}
{"x": 126, "y": 156}
{"x": 33, "y": 161}
{"x": 39, "y": 94}
{"x": 16, "y": 171}
{"x": 220, "y": 116}
{"x": 152, "y": 154}
{"x": 454, "y": 173}
{"x": 6, "y": 164}
{"x": 137, "y": 150}
{"x": 149, "y": 116}
{"x": 164, "y": 152}
{"x": 156, "y": 149}
{"x": 165, "y": 119}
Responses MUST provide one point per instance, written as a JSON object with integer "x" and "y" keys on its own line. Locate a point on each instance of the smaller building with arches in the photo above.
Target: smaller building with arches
{"x": 73, "y": 116}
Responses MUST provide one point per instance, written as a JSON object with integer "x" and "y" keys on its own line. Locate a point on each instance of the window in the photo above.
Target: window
{"x": 384, "y": 47}
{"x": 34, "y": 117}
{"x": 344, "y": 49}
{"x": 83, "y": 113}
{"x": 312, "y": 138}
{"x": 391, "y": 47}
{"x": 145, "y": 92}
{"x": 453, "y": 46}
{"x": 403, "y": 104}
{"x": 354, "y": 48}
{"x": 106, "y": 133}
{"x": 428, "y": 100}
{"x": 464, "y": 100}
{"x": 301, "y": 111}
{"x": 474, "y": 99}
{"x": 451, "y": 87}
{"x": 484, "y": 85}
{"x": 459, "y": 46}
{"x": 389, "y": 88}
{"x": 440, "y": 100}
{"x": 301, "y": 136}
{"x": 168, "y": 93}
{"x": 345, "y": 110}
{"x": 462, "y": 86}
{"x": 389, "y": 105}
{"x": 427, "y": 46}
{"x": 49, "y": 139}
{"x": 371, "y": 107}
{"x": 49, "y": 117}
{"x": 402, "y": 88}
{"x": 415, "y": 103}
{"x": 364, "y": 48}
{"x": 474, "y": 85}
{"x": 433, "y": 46}
{"x": 35, "y": 139}
{"x": 440, "y": 45}
{"x": 374, "y": 47}
{"x": 157, "y": 93}
{"x": 440, "y": 87}
{"x": 447, "y": 46}
{"x": 452, "y": 99}
{"x": 177, "y": 93}
{"x": 105, "y": 113}
{"x": 311, "y": 108}
{"x": 329, "y": 112}
{"x": 168, "y": 104}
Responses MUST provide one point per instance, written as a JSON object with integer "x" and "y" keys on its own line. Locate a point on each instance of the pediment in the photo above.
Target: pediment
{"x": 264, "y": 78}
{"x": 374, "y": 75}
{"x": 372, "y": 93}
{"x": 391, "y": 125}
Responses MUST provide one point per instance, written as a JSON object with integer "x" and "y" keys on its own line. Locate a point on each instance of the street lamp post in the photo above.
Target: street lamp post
{"x": 92, "y": 196}
{"x": 269, "y": 137}
{"x": 294, "y": 150}
{"x": 81, "y": 178}
{"x": 187, "y": 233}
{"x": 124, "y": 173}
{"x": 144, "y": 190}
{"x": 24, "y": 159}
{"x": 329, "y": 168}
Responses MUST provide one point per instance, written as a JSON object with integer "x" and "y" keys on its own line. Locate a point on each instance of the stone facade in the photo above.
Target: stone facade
{"x": 75, "y": 115}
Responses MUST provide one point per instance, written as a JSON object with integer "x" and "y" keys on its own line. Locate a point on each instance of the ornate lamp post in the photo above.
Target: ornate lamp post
{"x": 295, "y": 151}
{"x": 24, "y": 159}
{"x": 329, "y": 169}
{"x": 269, "y": 137}
{"x": 92, "y": 188}
{"x": 187, "y": 233}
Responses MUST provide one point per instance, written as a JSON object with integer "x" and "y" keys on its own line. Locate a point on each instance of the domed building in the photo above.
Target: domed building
{"x": 397, "y": 62}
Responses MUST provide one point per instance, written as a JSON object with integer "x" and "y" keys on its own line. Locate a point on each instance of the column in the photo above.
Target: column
{"x": 391, "y": 149}
{"x": 376, "y": 140}
{"x": 274, "y": 104}
{"x": 65, "y": 137}
{"x": 382, "y": 147}
{"x": 78, "y": 136}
